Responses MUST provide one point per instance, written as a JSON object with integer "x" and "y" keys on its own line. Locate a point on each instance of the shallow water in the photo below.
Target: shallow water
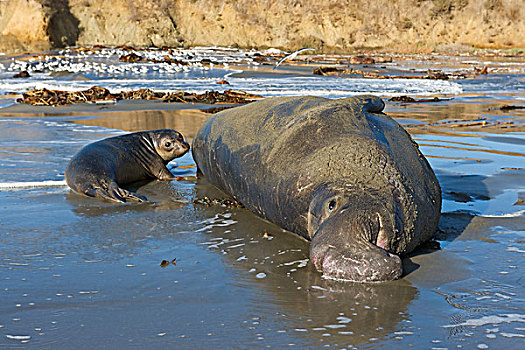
{"x": 82, "y": 273}
{"x": 202, "y": 68}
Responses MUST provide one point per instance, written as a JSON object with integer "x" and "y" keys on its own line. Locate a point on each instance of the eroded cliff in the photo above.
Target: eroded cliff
{"x": 328, "y": 25}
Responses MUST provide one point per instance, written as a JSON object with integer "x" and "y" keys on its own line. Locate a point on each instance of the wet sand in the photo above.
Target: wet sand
{"x": 82, "y": 273}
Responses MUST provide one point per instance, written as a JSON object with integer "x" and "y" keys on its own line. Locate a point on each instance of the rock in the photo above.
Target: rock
{"x": 327, "y": 71}
{"x": 132, "y": 57}
{"x": 362, "y": 60}
{"x": 22, "y": 74}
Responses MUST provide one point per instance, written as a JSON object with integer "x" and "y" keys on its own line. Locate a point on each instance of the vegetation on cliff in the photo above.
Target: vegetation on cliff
{"x": 327, "y": 25}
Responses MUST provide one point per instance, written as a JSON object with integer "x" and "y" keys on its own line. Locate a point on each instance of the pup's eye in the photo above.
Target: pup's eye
{"x": 331, "y": 205}
{"x": 167, "y": 144}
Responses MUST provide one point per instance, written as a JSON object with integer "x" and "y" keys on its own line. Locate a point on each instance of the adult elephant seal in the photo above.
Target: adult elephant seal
{"x": 100, "y": 168}
{"x": 337, "y": 172}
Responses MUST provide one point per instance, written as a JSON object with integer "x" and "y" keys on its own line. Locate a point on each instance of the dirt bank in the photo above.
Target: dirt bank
{"x": 329, "y": 25}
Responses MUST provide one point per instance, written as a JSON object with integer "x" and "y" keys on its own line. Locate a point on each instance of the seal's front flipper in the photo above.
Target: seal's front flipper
{"x": 373, "y": 104}
{"x": 364, "y": 103}
{"x": 101, "y": 193}
{"x": 127, "y": 195}
{"x": 116, "y": 194}
{"x": 165, "y": 175}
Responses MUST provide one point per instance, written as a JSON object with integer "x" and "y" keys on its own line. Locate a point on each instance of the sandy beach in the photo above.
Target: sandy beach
{"x": 84, "y": 273}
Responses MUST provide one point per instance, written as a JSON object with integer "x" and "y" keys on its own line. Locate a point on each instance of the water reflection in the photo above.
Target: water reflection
{"x": 187, "y": 121}
{"x": 324, "y": 310}
{"x": 444, "y": 117}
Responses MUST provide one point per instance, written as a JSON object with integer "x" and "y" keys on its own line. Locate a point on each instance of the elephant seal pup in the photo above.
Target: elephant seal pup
{"x": 337, "y": 172}
{"x": 100, "y": 168}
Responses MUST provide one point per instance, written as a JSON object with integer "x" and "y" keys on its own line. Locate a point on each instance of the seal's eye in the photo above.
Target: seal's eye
{"x": 331, "y": 205}
{"x": 167, "y": 144}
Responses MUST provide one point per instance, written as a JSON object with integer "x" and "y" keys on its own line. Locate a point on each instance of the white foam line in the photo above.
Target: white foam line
{"x": 32, "y": 184}
{"x": 493, "y": 319}
{"x": 508, "y": 215}
{"x": 18, "y": 337}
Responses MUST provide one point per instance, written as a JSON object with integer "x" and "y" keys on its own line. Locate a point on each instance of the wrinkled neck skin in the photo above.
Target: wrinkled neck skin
{"x": 153, "y": 140}
{"x": 150, "y": 143}
{"x": 354, "y": 235}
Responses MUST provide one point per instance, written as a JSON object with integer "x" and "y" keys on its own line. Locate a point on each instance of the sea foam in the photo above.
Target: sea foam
{"x": 31, "y": 184}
